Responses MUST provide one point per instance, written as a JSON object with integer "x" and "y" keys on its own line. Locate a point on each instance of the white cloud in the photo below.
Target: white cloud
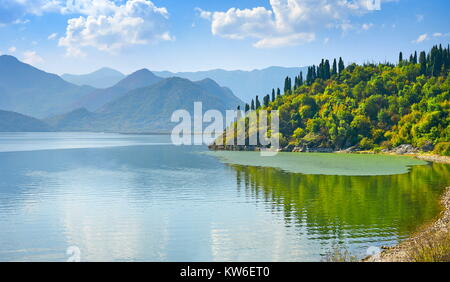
{"x": 32, "y": 58}
{"x": 12, "y": 49}
{"x": 110, "y": 27}
{"x": 287, "y": 19}
{"x": 203, "y": 14}
{"x": 421, "y": 38}
{"x": 107, "y": 25}
{"x": 440, "y": 34}
{"x": 52, "y": 36}
{"x": 425, "y": 36}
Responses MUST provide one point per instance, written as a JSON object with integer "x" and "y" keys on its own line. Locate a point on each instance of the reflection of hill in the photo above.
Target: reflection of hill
{"x": 349, "y": 206}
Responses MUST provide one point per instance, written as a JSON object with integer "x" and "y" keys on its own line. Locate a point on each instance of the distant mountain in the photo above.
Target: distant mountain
{"x": 244, "y": 84}
{"x": 102, "y": 78}
{"x": 149, "y": 109}
{"x": 15, "y": 122}
{"x": 139, "y": 79}
{"x": 28, "y": 90}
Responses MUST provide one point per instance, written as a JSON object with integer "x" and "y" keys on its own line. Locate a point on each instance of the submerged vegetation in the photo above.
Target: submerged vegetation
{"x": 368, "y": 107}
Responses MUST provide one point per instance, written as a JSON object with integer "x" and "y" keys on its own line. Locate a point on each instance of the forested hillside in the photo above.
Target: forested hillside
{"x": 370, "y": 106}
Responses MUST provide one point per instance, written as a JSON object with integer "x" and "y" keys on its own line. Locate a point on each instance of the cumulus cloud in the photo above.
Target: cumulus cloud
{"x": 32, "y": 58}
{"x": 106, "y": 25}
{"x": 110, "y": 27}
{"x": 287, "y": 19}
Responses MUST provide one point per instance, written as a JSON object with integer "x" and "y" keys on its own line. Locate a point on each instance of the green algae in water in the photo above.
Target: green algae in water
{"x": 323, "y": 163}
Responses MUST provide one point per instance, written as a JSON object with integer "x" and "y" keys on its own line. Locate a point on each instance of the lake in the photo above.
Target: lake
{"x": 139, "y": 198}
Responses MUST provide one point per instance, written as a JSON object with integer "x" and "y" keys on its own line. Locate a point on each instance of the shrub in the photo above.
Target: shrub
{"x": 442, "y": 149}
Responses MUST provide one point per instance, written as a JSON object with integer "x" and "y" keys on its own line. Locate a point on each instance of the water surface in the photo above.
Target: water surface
{"x": 138, "y": 198}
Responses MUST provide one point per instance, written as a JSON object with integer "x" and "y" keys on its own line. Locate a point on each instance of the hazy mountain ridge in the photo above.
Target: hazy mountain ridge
{"x": 102, "y": 78}
{"x": 244, "y": 84}
{"x": 30, "y": 91}
{"x": 15, "y": 122}
{"x": 98, "y": 98}
{"x": 150, "y": 108}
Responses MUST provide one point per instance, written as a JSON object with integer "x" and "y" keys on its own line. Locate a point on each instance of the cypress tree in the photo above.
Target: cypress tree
{"x": 273, "y": 95}
{"x": 278, "y": 92}
{"x": 287, "y": 85}
{"x": 266, "y": 100}
{"x": 258, "y": 104}
{"x": 423, "y": 63}
{"x": 253, "y": 105}
{"x": 341, "y": 65}
{"x": 300, "y": 79}
{"x": 247, "y": 108}
{"x": 334, "y": 69}
{"x": 400, "y": 58}
{"x": 326, "y": 70}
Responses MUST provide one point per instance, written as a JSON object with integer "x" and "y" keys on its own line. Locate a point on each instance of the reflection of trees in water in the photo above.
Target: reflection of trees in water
{"x": 363, "y": 205}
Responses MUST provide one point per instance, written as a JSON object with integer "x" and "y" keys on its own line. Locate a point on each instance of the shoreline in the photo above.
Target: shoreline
{"x": 406, "y": 250}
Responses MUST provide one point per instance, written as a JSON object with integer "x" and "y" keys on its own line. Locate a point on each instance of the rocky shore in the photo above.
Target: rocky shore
{"x": 428, "y": 237}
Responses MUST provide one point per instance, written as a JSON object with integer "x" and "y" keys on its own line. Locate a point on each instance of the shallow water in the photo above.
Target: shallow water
{"x": 138, "y": 198}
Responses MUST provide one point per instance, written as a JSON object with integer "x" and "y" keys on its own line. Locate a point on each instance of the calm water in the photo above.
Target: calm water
{"x": 138, "y": 198}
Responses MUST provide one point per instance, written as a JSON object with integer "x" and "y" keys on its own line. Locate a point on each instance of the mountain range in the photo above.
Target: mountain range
{"x": 102, "y": 78}
{"x": 244, "y": 84}
{"x": 149, "y": 109}
{"x": 96, "y": 99}
{"x": 15, "y": 122}
{"x": 30, "y": 91}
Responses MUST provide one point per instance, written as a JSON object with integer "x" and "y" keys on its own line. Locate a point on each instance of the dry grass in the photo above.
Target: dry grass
{"x": 435, "y": 248}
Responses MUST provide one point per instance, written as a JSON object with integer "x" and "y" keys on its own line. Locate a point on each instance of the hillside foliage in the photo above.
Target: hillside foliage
{"x": 371, "y": 106}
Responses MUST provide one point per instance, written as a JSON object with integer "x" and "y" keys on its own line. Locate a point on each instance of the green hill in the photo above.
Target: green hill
{"x": 370, "y": 106}
{"x": 149, "y": 109}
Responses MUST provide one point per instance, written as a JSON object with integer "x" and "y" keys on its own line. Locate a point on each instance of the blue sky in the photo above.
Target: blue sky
{"x": 79, "y": 36}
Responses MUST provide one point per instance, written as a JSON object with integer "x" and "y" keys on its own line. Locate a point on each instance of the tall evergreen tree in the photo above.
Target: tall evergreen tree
{"x": 278, "y": 92}
{"x": 334, "y": 69}
{"x": 253, "y": 105}
{"x": 326, "y": 70}
{"x": 287, "y": 85}
{"x": 400, "y": 58}
{"x": 423, "y": 63}
{"x": 341, "y": 65}
{"x": 258, "y": 104}
{"x": 247, "y": 108}
{"x": 273, "y": 95}
{"x": 266, "y": 100}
